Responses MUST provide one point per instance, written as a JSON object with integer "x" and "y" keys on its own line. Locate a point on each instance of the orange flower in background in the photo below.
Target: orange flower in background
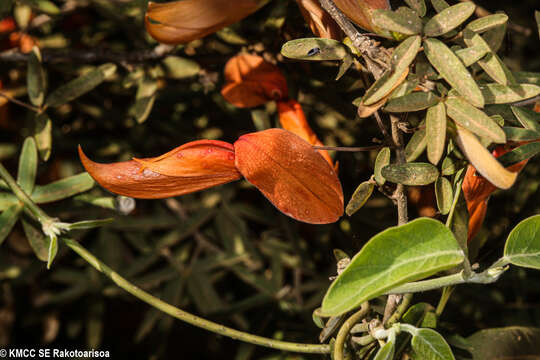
{"x": 250, "y": 81}
{"x": 477, "y": 190}
{"x": 321, "y": 24}
{"x": 180, "y": 22}
{"x": 284, "y": 167}
{"x": 23, "y": 41}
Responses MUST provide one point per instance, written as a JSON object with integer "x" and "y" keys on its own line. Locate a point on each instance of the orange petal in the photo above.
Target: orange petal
{"x": 135, "y": 179}
{"x": 251, "y": 81}
{"x": 321, "y": 24}
{"x": 360, "y": 11}
{"x": 477, "y": 214}
{"x": 179, "y": 22}
{"x": 293, "y": 176}
{"x": 292, "y": 118}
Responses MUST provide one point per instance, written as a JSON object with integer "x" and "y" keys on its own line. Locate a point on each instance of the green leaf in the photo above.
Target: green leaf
{"x": 460, "y": 220}
{"x": 501, "y": 94}
{"x": 494, "y": 37}
{"x": 144, "y": 99}
{"x": 416, "y": 313}
{"x": 471, "y": 55}
{"x": 80, "y": 85}
{"x": 491, "y": 63}
{"x": 405, "y": 87}
{"x": 8, "y": 219}
{"x": 451, "y": 165}
{"x": 439, "y": 5}
{"x": 44, "y": 6}
{"x": 415, "y": 101}
{"x": 62, "y": 189}
{"x": 89, "y": 224}
{"x": 22, "y": 14}
{"x": 519, "y": 154}
{"x": 429, "y": 344}
{"x": 383, "y": 159}
{"x": 35, "y": 78}
{"x": 402, "y": 57}
{"x": 512, "y": 343}
{"x": 386, "y": 352}
{"x": 43, "y": 135}
{"x": 528, "y": 118}
{"x": 7, "y": 200}
{"x": 527, "y": 77}
{"x": 37, "y": 240}
{"x": 453, "y": 71}
{"x": 435, "y": 132}
{"x": 520, "y": 134}
{"x": 359, "y": 197}
{"x": 314, "y": 49}
{"x": 449, "y": 19}
{"x": 416, "y": 145}
{"x": 28, "y": 160}
{"x": 486, "y": 23}
{"x": 411, "y": 173}
{"x": 176, "y": 67}
{"x": 403, "y": 21}
{"x": 393, "y": 257}
{"x": 444, "y": 194}
{"x": 522, "y": 247}
{"x": 474, "y": 119}
{"x": 53, "y": 250}
{"x": 419, "y": 6}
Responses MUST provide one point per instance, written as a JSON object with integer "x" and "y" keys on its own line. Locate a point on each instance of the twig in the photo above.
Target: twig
{"x": 18, "y": 102}
{"x": 91, "y": 56}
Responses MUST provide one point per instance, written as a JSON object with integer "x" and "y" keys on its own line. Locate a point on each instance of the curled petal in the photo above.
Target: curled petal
{"x": 135, "y": 178}
{"x": 320, "y": 22}
{"x": 251, "y": 81}
{"x": 291, "y": 174}
{"x": 292, "y": 118}
{"x": 360, "y": 11}
{"x": 179, "y": 22}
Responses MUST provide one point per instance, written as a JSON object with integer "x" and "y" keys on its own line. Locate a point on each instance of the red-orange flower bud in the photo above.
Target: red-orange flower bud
{"x": 250, "y": 81}
{"x": 291, "y": 174}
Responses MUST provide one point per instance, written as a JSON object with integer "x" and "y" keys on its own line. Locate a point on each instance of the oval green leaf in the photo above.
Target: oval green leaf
{"x": 8, "y": 219}
{"x": 486, "y": 23}
{"x": 419, "y": 6}
{"x": 80, "y": 85}
{"x": 451, "y": 165}
{"x": 435, "y": 132}
{"x": 403, "y": 21}
{"x": 501, "y": 94}
{"x": 416, "y": 145}
{"x": 474, "y": 119}
{"x": 176, "y": 67}
{"x": 402, "y": 57}
{"x": 528, "y": 118}
{"x": 144, "y": 99}
{"x": 386, "y": 352}
{"x": 36, "y": 78}
{"x": 471, "y": 55}
{"x": 444, "y": 194}
{"x": 302, "y": 49}
{"x": 429, "y": 344}
{"x": 415, "y": 101}
{"x": 62, "y": 189}
{"x": 519, "y": 154}
{"x": 439, "y": 5}
{"x": 520, "y": 134}
{"x": 43, "y": 135}
{"x": 393, "y": 257}
{"x": 411, "y": 173}
{"x": 359, "y": 197}
{"x": 28, "y": 162}
{"x": 449, "y": 19}
{"x": 522, "y": 247}
{"x": 527, "y": 77}
{"x": 38, "y": 242}
{"x": 453, "y": 71}
{"x": 511, "y": 343}
{"x": 383, "y": 159}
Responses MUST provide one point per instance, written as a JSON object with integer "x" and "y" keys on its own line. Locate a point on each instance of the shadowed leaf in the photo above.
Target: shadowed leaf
{"x": 359, "y": 197}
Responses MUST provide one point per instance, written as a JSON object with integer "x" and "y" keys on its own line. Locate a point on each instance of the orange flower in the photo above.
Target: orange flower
{"x": 292, "y": 118}
{"x": 321, "y": 24}
{"x": 180, "y": 22}
{"x": 285, "y": 168}
{"x": 477, "y": 190}
{"x": 250, "y": 81}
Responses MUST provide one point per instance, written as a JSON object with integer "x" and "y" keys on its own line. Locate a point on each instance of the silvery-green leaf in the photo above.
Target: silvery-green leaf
{"x": 435, "y": 132}
{"x": 414, "y": 101}
{"x": 403, "y": 21}
{"x": 444, "y": 194}
{"x": 416, "y": 145}
{"x": 8, "y": 219}
{"x": 453, "y": 70}
{"x": 402, "y": 57}
{"x": 383, "y": 159}
{"x": 474, "y": 119}
{"x": 486, "y": 23}
{"x": 36, "y": 79}
{"x": 491, "y": 63}
{"x": 176, "y": 67}
{"x": 28, "y": 161}
{"x": 314, "y": 49}
{"x": 144, "y": 99}
{"x": 520, "y": 134}
{"x": 43, "y": 135}
{"x": 429, "y": 344}
{"x": 528, "y": 118}
{"x": 527, "y": 77}
{"x": 501, "y": 94}
{"x": 37, "y": 240}
{"x": 359, "y": 197}
{"x": 451, "y": 165}
{"x": 470, "y": 55}
{"x": 449, "y": 19}
{"x": 410, "y": 173}
{"x": 439, "y": 5}
{"x": 419, "y": 6}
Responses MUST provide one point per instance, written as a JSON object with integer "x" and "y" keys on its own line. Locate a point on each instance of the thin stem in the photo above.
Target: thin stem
{"x": 346, "y": 328}
{"x": 445, "y": 296}
{"x": 348, "y": 148}
{"x": 403, "y": 306}
{"x": 190, "y": 318}
{"x": 18, "y": 102}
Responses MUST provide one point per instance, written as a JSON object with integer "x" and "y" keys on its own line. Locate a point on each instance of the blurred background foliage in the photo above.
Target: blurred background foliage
{"x": 224, "y": 253}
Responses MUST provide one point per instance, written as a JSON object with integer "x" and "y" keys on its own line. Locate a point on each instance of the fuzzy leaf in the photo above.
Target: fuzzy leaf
{"x": 449, "y": 19}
